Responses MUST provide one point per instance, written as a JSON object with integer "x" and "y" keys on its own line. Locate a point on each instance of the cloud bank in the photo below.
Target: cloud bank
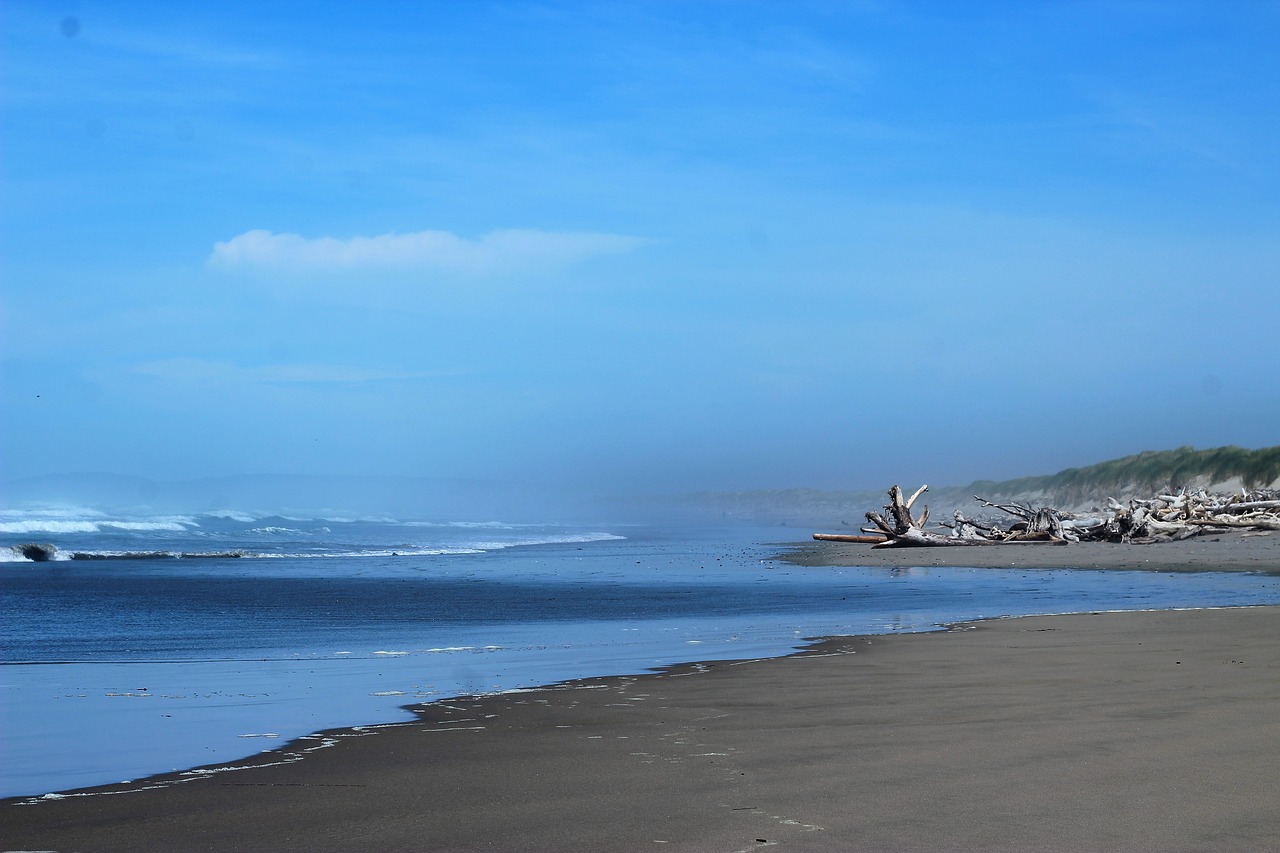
{"x": 508, "y": 249}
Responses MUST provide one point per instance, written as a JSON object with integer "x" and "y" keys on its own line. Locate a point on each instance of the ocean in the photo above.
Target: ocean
{"x": 148, "y": 644}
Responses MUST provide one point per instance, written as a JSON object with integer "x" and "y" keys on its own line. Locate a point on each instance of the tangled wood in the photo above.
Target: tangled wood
{"x": 1186, "y": 514}
{"x": 1162, "y": 518}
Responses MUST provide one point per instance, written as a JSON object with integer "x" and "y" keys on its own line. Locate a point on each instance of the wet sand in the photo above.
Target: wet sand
{"x": 1229, "y": 552}
{"x": 1139, "y": 731}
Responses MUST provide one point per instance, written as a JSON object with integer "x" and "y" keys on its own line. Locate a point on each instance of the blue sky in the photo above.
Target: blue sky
{"x": 646, "y": 246}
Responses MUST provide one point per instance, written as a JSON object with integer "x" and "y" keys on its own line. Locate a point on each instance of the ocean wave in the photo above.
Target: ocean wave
{"x": 31, "y": 552}
{"x": 35, "y": 525}
{"x": 550, "y": 539}
{"x": 477, "y": 546}
{"x": 350, "y": 519}
{"x": 379, "y": 552}
{"x": 276, "y": 531}
{"x": 474, "y": 525}
{"x": 185, "y": 520}
{"x": 48, "y": 526}
{"x": 157, "y": 555}
{"x": 53, "y": 513}
{"x": 42, "y": 552}
{"x": 169, "y": 526}
{"x": 232, "y": 515}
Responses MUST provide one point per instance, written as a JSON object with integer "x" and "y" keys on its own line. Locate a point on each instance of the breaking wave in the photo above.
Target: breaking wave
{"x": 46, "y": 525}
{"x": 39, "y": 552}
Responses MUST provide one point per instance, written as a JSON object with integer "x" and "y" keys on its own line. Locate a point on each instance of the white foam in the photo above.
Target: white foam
{"x": 64, "y": 512}
{"x": 46, "y": 525}
{"x": 185, "y": 520}
{"x": 491, "y": 525}
{"x": 387, "y": 552}
{"x": 173, "y": 526}
{"x": 232, "y": 515}
{"x": 550, "y": 539}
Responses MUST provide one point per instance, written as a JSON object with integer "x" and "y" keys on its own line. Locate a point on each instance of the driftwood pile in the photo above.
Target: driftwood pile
{"x": 1163, "y": 518}
{"x": 1187, "y": 514}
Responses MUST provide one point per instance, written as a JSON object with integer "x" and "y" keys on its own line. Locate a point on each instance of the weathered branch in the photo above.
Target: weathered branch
{"x": 1158, "y": 519}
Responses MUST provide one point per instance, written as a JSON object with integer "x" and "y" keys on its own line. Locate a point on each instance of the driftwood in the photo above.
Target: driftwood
{"x": 904, "y": 529}
{"x": 1038, "y": 526}
{"x": 1186, "y": 514}
{"x": 1162, "y": 518}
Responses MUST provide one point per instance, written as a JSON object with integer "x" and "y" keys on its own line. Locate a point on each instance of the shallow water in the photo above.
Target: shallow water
{"x": 123, "y": 668}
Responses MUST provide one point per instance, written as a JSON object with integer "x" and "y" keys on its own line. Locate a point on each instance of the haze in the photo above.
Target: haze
{"x": 637, "y": 247}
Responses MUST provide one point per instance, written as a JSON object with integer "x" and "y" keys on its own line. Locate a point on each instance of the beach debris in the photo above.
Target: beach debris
{"x": 1163, "y": 518}
{"x": 900, "y": 528}
{"x": 1186, "y": 514}
{"x": 848, "y": 537}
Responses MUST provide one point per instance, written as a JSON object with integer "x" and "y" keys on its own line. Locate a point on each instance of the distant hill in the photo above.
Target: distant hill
{"x": 1219, "y": 469}
{"x": 1140, "y": 475}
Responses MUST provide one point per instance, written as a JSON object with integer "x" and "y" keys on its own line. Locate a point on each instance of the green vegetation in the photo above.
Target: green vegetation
{"x": 1149, "y": 472}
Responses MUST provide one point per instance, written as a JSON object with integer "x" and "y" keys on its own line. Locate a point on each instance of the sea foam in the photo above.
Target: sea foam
{"x": 47, "y": 525}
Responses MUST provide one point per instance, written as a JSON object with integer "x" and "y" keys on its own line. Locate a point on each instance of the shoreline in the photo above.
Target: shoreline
{"x": 1230, "y": 552}
{"x": 675, "y": 755}
{"x": 69, "y": 729}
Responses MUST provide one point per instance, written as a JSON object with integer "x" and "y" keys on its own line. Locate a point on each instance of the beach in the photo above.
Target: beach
{"x": 1225, "y": 552}
{"x": 1116, "y": 731}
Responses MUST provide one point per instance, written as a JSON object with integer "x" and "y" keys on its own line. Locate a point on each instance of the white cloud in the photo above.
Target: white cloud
{"x": 497, "y": 251}
{"x": 199, "y": 370}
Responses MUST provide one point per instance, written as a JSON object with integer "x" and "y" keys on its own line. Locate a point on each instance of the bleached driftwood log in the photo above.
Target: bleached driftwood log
{"x": 846, "y": 537}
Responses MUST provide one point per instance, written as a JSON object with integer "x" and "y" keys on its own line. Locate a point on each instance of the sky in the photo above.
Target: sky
{"x": 636, "y": 246}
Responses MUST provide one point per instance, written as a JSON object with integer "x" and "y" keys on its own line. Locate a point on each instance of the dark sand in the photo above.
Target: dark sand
{"x": 1142, "y": 731}
{"x": 1228, "y": 552}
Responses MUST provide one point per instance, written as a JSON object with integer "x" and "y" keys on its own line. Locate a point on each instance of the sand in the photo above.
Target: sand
{"x": 1232, "y": 552}
{"x": 1140, "y": 731}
